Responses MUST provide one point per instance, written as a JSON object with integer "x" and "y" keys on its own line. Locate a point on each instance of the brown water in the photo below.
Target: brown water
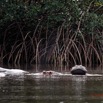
{"x": 70, "y": 89}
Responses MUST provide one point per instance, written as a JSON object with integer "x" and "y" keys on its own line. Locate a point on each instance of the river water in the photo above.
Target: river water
{"x": 67, "y": 89}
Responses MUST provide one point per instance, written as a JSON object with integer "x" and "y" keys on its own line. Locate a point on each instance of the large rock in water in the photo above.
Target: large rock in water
{"x": 78, "y": 70}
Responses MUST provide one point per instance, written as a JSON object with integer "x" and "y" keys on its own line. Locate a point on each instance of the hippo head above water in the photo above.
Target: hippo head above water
{"x": 47, "y": 73}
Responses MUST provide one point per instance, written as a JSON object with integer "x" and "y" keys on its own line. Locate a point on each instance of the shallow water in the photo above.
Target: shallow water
{"x": 63, "y": 89}
{"x": 73, "y": 89}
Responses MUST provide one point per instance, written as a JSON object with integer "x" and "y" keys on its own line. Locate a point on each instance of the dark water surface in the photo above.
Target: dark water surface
{"x": 70, "y": 89}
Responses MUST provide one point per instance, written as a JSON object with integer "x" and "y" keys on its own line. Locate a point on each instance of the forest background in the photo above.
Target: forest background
{"x": 58, "y": 32}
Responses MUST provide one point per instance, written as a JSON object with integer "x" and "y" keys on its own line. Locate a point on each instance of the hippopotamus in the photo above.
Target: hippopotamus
{"x": 75, "y": 70}
{"x": 78, "y": 70}
{"x": 11, "y": 72}
{"x": 48, "y": 73}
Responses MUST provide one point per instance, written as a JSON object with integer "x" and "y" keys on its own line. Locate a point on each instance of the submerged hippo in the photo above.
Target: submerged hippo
{"x": 44, "y": 73}
{"x": 78, "y": 70}
{"x": 11, "y": 72}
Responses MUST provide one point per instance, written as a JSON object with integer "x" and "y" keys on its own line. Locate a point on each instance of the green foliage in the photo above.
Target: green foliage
{"x": 93, "y": 21}
{"x": 54, "y": 12}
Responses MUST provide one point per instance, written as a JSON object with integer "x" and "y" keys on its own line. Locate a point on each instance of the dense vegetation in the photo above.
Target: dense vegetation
{"x": 51, "y": 31}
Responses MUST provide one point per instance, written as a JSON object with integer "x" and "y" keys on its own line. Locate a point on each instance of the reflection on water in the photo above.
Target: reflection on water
{"x": 67, "y": 89}
{"x": 79, "y": 86}
{"x": 74, "y": 89}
